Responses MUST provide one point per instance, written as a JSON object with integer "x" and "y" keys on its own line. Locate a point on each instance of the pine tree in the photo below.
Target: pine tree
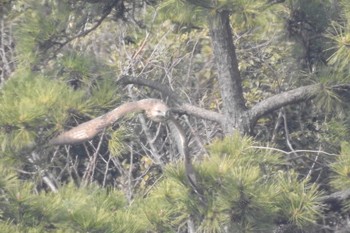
{"x": 68, "y": 55}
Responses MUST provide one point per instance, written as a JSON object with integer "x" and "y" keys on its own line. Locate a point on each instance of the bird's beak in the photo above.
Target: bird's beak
{"x": 167, "y": 114}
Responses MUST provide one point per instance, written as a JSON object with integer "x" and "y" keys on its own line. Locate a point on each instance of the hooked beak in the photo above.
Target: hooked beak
{"x": 167, "y": 114}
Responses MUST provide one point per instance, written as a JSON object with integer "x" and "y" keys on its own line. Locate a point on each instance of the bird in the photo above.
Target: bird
{"x": 155, "y": 109}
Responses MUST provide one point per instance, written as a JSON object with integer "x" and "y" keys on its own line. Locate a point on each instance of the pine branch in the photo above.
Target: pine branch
{"x": 337, "y": 196}
{"x": 108, "y": 10}
{"x": 183, "y": 107}
{"x": 294, "y": 96}
{"x": 283, "y": 99}
{"x": 266, "y": 106}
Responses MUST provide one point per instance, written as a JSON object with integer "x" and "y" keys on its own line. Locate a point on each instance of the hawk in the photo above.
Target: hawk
{"x": 154, "y": 109}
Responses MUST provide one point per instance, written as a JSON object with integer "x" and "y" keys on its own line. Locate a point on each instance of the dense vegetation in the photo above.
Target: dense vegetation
{"x": 261, "y": 88}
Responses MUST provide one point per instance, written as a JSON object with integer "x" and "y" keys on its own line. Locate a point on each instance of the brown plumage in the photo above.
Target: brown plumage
{"x": 155, "y": 109}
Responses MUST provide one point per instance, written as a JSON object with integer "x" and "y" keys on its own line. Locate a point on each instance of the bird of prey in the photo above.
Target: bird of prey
{"x": 154, "y": 109}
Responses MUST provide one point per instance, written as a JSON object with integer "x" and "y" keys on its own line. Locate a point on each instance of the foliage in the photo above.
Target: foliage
{"x": 342, "y": 168}
{"x": 339, "y": 36}
{"x": 243, "y": 189}
{"x": 246, "y": 14}
{"x": 49, "y": 26}
{"x": 26, "y": 101}
{"x": 73, "y": 209}
{"x": 340, "y": 176}
{"x": 65, "y": 74}
{"x": 30, "y": 98}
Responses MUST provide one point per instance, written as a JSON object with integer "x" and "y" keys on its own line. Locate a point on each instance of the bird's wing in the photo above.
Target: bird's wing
{"x": 81, "y": 133}
{"x": 179, "y": 136}
{"x": 86, "y": 131}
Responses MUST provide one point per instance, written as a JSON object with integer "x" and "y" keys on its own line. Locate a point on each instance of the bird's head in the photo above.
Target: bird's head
{"x": 157, "y": 111}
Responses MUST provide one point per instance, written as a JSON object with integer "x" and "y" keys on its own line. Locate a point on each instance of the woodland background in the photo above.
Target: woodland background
{"x": 261, "y": 87}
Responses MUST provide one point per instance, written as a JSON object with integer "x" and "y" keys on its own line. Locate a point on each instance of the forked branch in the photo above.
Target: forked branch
{"x": 266, "y": 106}
{"x": 182, "y": 107}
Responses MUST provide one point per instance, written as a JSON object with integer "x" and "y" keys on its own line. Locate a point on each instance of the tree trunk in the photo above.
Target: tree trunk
{"x": 236, "y": 116}
{"x": 235, "y": 111}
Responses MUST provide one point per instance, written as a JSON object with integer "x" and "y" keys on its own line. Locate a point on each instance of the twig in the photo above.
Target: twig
{"x": 152, "y": 186}
{"x": 156, "y": 156}
{"x": 290, "y": 152}
{"x": 191, "y": 59}
{"x": 289, "y": 144}
{"x": 72, "y": 164}
{"x": 108, "y": 8}
{"x": 96, "y": 153}
{"x": 130, "y": 188}
{"x": 278, "y": 122}
{"x": 90, "y": 170}
{"x": 313, "y": 164}
{"x": 105, "y": 174}
{"x": 154, "y": 50}
{"x": 42, "y": 172}
{"x": 195, "y": 134}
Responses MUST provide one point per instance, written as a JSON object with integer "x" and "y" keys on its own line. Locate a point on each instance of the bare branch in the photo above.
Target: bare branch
{"x": 291, "y": 97}
{"x": 90, "y": 169}
{"x": 286, "y": 98}
{"x": 130, "y": 176}
{"x": 200, "y": 112}
{"x": 108, "y": 10}
{"x": 295, "y": 151}
{"x": 125, "y": 80}
{"x": 46, "y": 176}
{"x": 340, "y": 196}
{"x": 155, "y": 155}
{"x": 286, "y": 132}
{"x": 183, "y": 107}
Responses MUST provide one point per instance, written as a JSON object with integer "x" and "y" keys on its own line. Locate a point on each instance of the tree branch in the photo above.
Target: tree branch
{"x": 280, "y": 100}
{"x": 200, "y": 112}
{"x": 108, "y": 7}
{"x": 126, "y": 79}
{"x": 183, "y": 107}
{"x": 337, "y": 196}
{"x": 268, "y": 105}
